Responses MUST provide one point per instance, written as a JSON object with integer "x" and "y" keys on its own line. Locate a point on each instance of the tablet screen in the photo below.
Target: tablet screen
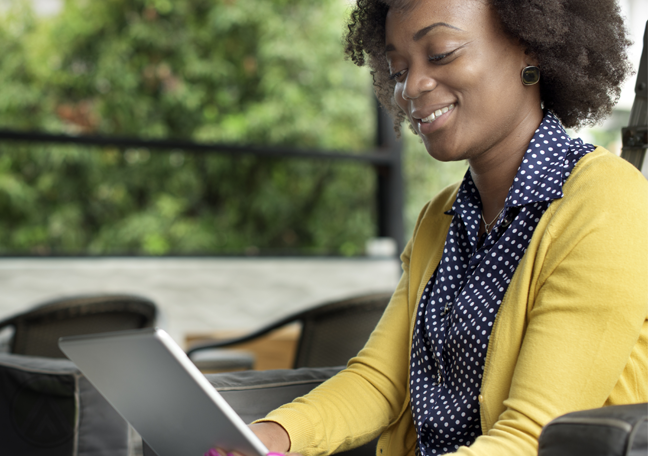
{"x": 150, "y": 381}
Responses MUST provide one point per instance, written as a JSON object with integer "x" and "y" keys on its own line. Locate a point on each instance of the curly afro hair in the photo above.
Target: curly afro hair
{"x": 580, "y": 46}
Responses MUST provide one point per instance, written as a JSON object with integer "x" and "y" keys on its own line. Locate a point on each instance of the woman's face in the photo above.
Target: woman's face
{"x": 458, "y": 79}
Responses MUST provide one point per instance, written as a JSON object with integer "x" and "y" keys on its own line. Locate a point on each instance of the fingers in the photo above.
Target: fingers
{"x": 272, "y": 435}
{"x": 219, "y": 452}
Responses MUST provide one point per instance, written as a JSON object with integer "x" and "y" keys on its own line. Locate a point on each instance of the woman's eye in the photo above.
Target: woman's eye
{"x": 440, "y": 57}
{"x": 398, "y": 75}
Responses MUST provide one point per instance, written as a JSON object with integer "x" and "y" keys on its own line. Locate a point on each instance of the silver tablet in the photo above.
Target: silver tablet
{"x": 150, "y": 381}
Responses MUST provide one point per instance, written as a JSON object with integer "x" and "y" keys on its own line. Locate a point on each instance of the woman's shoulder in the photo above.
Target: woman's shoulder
{"x": 603, "y": 188}
{"x": 608, "y": 169}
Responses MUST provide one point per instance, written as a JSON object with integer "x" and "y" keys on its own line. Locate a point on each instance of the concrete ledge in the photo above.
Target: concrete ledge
{"x": 198, "y": 294}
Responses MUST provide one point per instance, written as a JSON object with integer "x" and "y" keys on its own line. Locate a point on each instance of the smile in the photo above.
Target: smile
{"x": 432, "y": 117}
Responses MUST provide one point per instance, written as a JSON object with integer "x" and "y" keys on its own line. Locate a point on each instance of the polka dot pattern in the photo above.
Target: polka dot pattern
{"x": 459, "y": 304}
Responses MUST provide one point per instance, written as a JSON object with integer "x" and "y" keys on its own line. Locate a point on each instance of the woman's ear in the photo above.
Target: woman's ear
{"x": 530, "y": 58}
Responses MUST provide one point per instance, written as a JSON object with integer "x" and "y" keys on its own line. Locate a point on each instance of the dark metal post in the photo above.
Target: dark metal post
{"x": 635, "y": 136}
{"x": 389, "y": 189}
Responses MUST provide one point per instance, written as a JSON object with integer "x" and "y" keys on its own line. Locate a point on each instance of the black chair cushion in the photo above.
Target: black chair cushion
{"x": 48, "y": 408}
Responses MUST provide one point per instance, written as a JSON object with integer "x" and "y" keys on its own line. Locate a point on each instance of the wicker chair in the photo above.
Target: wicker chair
{"x": 331, "y": 334}
{"x": 36, "y": 331}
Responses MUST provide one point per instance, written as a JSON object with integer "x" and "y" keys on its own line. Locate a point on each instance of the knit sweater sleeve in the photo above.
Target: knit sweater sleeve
{"x": 354, "y": 406}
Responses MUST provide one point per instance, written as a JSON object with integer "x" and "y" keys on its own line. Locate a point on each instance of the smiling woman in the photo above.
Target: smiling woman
{"x": 580, "y": 46}
{"x": 448, "y": 65}
{"x": 523, "y": 294}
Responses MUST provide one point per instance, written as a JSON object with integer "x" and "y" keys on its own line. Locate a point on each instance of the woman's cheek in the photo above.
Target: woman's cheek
{"x": 398, "y": 97}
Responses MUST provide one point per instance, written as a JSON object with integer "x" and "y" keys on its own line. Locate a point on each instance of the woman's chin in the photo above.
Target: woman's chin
{"x": 440, "y": 151}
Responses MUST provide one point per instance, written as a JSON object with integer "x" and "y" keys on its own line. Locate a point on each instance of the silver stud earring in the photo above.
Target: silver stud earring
{"x": 530, "y": 75}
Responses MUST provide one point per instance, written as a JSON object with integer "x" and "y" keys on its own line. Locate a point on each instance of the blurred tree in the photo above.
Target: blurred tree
{"x": 234, "y": 71}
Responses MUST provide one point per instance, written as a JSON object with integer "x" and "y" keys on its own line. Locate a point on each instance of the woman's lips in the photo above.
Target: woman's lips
{"x": 432, "y": 117}
{"x": 435, "y": 120}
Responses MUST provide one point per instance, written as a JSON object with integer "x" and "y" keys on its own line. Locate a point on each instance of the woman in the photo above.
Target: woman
{"x": 525, "y": 287}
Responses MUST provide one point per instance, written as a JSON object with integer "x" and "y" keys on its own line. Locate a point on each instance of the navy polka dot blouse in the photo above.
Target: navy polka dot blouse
{"x": 458, "y": 307}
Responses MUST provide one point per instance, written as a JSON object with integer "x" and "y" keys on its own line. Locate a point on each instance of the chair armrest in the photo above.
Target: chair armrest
{"x": 253, "y": 394}
{"x": 619, "y": 430}
{"x": 241, "y": 339}
{"x": 222, "y": 360}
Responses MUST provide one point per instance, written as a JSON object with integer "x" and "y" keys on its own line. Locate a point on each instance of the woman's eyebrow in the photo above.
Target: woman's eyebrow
{"x": 424, "y": 31}
{"x": 421, "y": 33}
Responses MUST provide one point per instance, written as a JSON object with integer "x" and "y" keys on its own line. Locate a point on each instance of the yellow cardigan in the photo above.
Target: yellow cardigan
{"x": 571, "y": 333}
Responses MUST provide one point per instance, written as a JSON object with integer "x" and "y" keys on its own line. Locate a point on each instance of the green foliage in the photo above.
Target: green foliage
{"x": 232, "y": 71}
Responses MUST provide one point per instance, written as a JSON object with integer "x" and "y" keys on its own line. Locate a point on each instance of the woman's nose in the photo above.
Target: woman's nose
{"x": 417, "y": 82}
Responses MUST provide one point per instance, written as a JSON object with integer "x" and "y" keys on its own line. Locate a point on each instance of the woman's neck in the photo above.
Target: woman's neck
{"x": 493, "y": 171}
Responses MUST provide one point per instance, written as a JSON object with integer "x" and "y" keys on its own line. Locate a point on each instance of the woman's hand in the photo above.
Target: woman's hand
{"x": 272, "y": 435}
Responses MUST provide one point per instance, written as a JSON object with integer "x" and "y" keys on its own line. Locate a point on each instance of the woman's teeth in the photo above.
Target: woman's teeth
{"x": 432, "y": 117}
